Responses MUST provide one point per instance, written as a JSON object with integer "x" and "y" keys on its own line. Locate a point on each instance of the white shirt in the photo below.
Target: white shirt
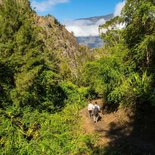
{"x": 90, "y": 106}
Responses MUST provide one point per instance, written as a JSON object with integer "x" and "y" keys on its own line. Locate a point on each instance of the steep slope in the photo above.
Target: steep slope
{"x": 63, "y": 44}
{"x": 59, "y": 41}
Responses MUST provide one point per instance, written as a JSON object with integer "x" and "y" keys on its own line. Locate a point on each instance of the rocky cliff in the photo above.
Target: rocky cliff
{"x": 63, "y": 44}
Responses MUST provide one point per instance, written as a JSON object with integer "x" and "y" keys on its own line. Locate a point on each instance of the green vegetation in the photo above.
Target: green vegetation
{"x": 41, "y": 94}
{"x": 125, "y": 74}
{"x": 38, "y": 111}
{"x": 30, "y": 71}
{"x": 27, "y": 131}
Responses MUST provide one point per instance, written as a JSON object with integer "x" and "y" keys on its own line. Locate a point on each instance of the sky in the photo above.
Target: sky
{"x": 67, "y": 11}
{"x": 74, "y": 9}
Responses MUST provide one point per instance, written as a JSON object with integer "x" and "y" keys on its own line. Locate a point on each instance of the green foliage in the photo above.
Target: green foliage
{"x": 24, "y": 131}
{"x": 71, "y": 90}
{"x": 39, "y": 104}
{"x": 75, "y": 93}
{"x": 38, "y": 114}
{"x": 141, "y": 85}
{"x": 125, "y": 75}
{"x": 140, "y": 31}
{"x": 30, "y": 67}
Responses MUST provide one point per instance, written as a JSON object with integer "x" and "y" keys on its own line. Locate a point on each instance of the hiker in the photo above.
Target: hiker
{"x": 90, "y": 109}
{"x": 96, "y": 111}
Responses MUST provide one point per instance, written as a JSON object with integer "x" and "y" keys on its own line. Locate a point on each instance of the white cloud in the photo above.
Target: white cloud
{"x": 119, "y": 8}
{"x": 46, "y": 4}
{"x": 90, "y": 28}
{"x": 84, "y": 27}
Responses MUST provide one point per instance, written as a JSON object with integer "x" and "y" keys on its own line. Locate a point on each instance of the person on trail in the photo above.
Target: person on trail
{"x": 96, "y": 111}
{"x": 90, "y": 109}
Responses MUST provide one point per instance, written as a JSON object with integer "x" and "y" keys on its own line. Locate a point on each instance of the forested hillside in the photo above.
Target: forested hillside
{"x": 38, "y": 105}
{"x": 46, "y": 77}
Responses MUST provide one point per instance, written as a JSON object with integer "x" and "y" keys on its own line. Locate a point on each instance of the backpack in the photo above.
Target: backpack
{"x": 96, "y": 110}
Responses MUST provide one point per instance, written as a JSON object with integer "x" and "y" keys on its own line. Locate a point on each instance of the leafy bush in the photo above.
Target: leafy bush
{"x": 24, "y": 131}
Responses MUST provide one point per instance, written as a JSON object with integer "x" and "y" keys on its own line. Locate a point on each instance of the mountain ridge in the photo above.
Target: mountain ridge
{"x": 106, "y": 17}
{"x": 93, "y": 41}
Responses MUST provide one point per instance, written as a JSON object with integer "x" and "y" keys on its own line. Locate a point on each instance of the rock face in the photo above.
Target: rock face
{"x": 62, "y": 43}
{"x": 54, "y": 32}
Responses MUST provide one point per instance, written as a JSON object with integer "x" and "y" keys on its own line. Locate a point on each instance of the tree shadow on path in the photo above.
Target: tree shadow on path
{"x": 136, "y": 137}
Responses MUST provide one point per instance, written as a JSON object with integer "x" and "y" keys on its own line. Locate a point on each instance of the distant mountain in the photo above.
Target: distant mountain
{"x": 97, "y": 18}
{"x": 93, "y": 41}
{"x": 90, "y": 41}
{"x": 88, "y": 27}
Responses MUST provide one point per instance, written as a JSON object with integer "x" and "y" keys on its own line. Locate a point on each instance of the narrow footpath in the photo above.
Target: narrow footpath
{"x": 116, "y": 130}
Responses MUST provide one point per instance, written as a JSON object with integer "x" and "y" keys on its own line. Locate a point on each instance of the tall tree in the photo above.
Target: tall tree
{"x": 31, "y": 71}
{"x": 139, "y": 34}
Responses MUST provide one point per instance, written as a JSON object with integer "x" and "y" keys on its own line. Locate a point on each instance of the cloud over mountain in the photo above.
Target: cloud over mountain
{"x": 84, "y": 27}
{"x": 89, "y": 26}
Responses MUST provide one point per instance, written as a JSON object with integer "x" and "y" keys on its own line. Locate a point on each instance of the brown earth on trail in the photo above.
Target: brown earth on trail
{"x": 126, "y": 130}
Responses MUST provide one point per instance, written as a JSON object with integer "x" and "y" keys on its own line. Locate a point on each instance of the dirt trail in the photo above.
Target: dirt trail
{"x": 116, "y": 129}
{"x": 103, "y": 126}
